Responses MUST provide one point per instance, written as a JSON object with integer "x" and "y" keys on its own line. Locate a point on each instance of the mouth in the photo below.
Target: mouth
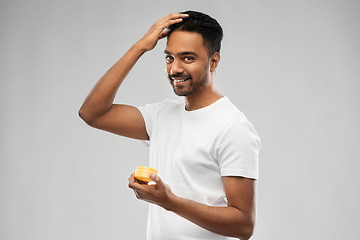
{"x": 179, "y": 79}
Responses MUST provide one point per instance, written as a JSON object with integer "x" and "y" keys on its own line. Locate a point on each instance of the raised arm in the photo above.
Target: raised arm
{"x": 98, "y": 109}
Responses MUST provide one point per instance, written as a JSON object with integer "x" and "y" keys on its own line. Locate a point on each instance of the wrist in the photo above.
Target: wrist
{"x": 170, "y": 203}
{"x": 139, "y": 47}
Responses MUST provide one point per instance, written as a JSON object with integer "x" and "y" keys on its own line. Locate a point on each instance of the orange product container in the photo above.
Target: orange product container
{"x": 142, "y": 174}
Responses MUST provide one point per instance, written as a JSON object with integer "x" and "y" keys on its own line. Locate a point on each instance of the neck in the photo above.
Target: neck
{"x": 204, "y": 97}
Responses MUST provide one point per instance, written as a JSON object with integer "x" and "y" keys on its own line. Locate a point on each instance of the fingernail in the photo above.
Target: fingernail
{"x": 152, "y": 175}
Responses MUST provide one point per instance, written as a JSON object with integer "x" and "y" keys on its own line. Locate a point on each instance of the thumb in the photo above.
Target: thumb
{"x": 155, "y": 178}
{"x": 164, "y": 33}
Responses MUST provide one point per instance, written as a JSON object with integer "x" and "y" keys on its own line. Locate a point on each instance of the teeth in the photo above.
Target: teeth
{"x": 179, "y": 80}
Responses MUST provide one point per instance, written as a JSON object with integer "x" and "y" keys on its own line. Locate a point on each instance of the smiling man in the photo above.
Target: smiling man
{"x": 205, "y": 150}
{"x": 181, "y": 63}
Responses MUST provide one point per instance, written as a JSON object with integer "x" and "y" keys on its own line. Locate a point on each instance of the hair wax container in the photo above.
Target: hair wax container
{"x": 142, "y": 174}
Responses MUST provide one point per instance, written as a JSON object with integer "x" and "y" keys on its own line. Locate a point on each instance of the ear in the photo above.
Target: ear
{"x": 214, "y": 61}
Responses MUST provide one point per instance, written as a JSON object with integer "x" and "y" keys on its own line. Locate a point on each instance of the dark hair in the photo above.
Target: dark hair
{"x": 208, "y": 27}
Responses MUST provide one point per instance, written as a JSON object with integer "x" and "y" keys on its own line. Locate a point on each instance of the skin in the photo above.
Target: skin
{"x": 186, "y": 58}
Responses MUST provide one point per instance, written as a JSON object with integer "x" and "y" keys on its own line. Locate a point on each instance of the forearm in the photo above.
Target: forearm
{"x": 101, "y": 97}
{"x": 235, "y": 220}
{"x": 228, "y": 221}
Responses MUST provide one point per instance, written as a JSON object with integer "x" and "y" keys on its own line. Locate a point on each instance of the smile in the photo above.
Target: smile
{"x": 179, "y": 80}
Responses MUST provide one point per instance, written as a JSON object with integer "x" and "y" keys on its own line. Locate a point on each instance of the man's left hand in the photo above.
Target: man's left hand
{"x": 158, "y": 193}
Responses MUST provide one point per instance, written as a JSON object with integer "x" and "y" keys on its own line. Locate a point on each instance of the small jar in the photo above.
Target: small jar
{"x": 142, "y": 174}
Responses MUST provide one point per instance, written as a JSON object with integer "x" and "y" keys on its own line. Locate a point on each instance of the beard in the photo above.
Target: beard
{"x": 190, "y": 87}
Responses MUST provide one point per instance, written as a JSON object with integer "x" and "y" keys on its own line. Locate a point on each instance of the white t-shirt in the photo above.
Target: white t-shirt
{"x": 192, "y": 150}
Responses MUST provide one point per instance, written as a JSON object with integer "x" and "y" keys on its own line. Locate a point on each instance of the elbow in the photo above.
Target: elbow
{"x": 85, "y": 116}
{"x": 246, "y": 232}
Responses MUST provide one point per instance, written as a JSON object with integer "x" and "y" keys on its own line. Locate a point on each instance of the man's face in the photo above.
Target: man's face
{"x": 187, "y": 63}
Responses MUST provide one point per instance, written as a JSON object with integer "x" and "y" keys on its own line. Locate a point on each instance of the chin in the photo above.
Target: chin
{"x": 183, "y": 92}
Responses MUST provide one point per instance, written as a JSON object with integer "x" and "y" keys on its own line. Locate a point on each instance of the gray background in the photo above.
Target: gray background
{"x": 291, "y": 66}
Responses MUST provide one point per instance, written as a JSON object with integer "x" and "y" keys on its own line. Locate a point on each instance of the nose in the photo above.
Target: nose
{"x": 176, "y": 67}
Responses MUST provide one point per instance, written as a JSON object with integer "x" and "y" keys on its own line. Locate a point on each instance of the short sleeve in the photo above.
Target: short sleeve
{"x": 238, "y": 151}
{"x": 150, "y": 113}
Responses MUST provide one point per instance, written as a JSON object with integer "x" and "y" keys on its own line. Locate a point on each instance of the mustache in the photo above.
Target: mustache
{"x": 179, "y": 76}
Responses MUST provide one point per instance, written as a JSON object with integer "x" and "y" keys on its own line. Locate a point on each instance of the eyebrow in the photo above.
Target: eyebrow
{"x": 182, "y": 53}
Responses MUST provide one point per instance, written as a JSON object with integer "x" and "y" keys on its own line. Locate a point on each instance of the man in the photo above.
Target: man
{"x": 204, "y": 149}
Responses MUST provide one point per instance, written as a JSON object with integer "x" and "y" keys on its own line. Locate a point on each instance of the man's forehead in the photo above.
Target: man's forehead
{"x": 183, "y": 42}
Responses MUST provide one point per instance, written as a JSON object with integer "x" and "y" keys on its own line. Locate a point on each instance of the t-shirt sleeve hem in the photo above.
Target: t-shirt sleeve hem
{"x": 145, "y": 143}
{"x": 239, "y": 173}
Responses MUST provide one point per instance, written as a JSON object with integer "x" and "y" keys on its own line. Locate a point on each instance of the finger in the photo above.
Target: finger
{"x": 133, "y": 184}
{"x": 164, "y": 33}
{"x": 167, "y": 22}
{"x": 131, "y": 176}
{"x": 173, "y": 18}
{"x": 177, "y": 15}
{"x": 136, "y": 194}
{"x": 156, "y": 179}
{"x": 138, "y": 187}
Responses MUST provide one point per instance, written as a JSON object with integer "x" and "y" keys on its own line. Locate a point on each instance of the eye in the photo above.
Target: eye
{"x": 169, "y": 59}
{"x": 189, "y": 59}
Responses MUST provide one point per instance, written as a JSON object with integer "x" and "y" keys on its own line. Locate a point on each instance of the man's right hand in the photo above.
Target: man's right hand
{"x": 159, "y": 30}
{"x": 98, "y": 109}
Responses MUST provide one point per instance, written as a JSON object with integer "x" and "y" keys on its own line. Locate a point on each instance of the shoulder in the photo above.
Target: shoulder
{"x": 228, "y": 114}
{"x": 235, "y": 124}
